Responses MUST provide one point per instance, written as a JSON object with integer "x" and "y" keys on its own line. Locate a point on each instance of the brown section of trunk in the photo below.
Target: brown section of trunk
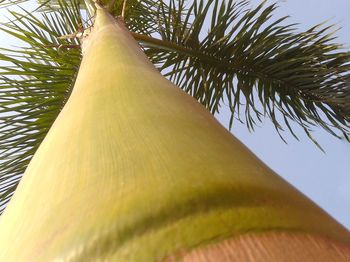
{"x": 269, "y": 247}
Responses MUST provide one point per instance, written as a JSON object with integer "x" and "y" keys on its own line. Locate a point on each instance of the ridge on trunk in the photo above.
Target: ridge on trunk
{"x": 110, "y": 181}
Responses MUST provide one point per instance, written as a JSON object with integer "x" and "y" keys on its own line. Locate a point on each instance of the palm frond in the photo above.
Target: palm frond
{"x": 35, "y": 83}
{"x": 7, "y": 3}
{"x": 140, "y": 16}
{"x": 245, "y": 57}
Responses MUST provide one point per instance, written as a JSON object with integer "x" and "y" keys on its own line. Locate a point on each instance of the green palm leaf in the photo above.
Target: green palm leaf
{"x": 35, "y": 83}
{"x": 245, "y": 56}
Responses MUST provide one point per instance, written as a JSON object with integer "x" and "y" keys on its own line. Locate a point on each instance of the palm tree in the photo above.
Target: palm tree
{"x": 131, "y": 168}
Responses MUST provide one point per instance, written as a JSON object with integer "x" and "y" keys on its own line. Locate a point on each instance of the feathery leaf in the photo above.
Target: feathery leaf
{"x": 35, "y": 82}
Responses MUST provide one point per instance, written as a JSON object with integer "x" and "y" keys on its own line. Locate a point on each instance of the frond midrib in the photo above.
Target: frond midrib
{"x": 229, "y": 67}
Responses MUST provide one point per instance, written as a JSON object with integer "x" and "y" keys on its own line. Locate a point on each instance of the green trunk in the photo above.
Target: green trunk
{"x": 134, "y": 169}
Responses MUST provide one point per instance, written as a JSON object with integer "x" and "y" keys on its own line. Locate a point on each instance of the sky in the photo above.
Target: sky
{"x": 323, "y": 177}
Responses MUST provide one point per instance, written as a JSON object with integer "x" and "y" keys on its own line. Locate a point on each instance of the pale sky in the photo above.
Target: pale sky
{"x": 325, "y": 178}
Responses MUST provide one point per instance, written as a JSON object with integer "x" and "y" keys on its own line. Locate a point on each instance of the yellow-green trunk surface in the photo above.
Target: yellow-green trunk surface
{"x": 134, "y": 169}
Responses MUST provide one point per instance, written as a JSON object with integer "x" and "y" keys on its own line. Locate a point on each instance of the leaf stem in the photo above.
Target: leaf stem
{"x": 225, "y": 65}
{"x": 90, "y": 6}
{"x": 166, "y": 45}
{"x": 123, "y": 10}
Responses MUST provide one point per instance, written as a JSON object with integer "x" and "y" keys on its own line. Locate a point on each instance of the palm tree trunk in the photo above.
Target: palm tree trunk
{"x": 134, "y": 169}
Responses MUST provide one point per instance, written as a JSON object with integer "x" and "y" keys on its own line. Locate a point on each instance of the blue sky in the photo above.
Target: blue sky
{"x": 325, "y": 178}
